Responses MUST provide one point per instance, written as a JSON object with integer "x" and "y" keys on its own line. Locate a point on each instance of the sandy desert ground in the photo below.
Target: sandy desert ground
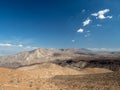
{"x": 46, "y": 76}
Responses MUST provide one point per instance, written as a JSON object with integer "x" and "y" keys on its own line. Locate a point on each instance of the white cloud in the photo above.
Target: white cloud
{"x": 20, "y": 45}
{"x": 80, "y": 30}
{"x": 109, "y": 17}
{"x": 94, "y": 14}
{"x": 5, "y": 45}
{"x": 86, "y": 22}
{"x": 101, "y": 14}
{"x": 10, "y": 45}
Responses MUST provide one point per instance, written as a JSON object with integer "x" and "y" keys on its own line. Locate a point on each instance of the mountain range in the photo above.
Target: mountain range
{"x": 51, "y": 55}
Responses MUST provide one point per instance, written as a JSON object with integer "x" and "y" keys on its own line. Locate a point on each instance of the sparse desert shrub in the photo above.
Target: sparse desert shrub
{"x": 18, "y": 81}
{"x": 30, "y": 85}
{"x": 37, "y": 88}
{"x": 11, "y": 81}
{"x": 56, "y": 54}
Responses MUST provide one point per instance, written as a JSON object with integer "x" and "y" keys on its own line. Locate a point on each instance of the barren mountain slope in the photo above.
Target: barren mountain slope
{"x": 36, "y": 56}
{"x": 48, "y": 55}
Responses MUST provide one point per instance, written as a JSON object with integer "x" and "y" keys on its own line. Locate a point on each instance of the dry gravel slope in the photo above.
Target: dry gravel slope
{"x": 37, "y": 77}
{"x": 104, "y": 81}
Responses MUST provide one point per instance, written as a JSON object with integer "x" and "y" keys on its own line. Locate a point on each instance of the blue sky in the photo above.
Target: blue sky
{"x": 29, "y": 24}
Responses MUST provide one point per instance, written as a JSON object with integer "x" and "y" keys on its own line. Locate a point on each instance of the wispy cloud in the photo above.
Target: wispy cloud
{"x": 119, "y": 16}
{"x": 104, "y": 49}
{"x": 98, "y": 25}
{"x": 88, "y": 31}
{"x": 80, "y": 30}
{"x": 8, "y": 48}
{"x": 30, "y": 47}
{"x": 10, "y": 45}
{"x": 87, "y": 35}
{"x": 5, "y": 45}
{"x": 101, "y": 14}
{"x": 110, "y": 17}
{"x": 20, "y": 45}
{"x": 73, "y": 40}
{"x": 86, "y": 22}
{"x": 83, "y": 10}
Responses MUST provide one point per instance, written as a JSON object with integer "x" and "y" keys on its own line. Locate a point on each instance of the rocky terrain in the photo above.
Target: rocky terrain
{"x": 104, "y": 81}
{"x": 60, "y": 69}
{"x": 51, "y": 55}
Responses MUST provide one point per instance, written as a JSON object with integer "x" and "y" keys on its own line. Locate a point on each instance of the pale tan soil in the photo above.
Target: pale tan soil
{"x": 37, "y": 77}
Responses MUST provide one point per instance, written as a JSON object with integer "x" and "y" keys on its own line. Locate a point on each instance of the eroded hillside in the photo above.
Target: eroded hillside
{"x": 60, "y": 69}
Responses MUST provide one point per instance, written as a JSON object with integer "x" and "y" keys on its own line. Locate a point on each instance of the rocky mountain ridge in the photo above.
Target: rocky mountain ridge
{"x": 47, "y": 55}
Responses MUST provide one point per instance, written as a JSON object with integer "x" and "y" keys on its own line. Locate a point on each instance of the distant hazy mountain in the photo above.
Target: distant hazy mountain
{"x": 47, "y": 55}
